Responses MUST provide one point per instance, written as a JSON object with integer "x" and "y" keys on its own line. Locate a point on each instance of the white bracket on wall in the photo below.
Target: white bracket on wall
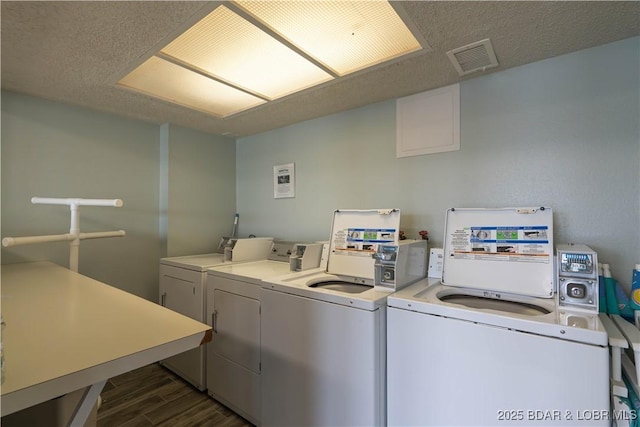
{"x": 74, "y": 236}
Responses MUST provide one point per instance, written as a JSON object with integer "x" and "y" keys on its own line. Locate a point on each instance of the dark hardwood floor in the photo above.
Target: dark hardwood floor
{"x": 155, "y": 396}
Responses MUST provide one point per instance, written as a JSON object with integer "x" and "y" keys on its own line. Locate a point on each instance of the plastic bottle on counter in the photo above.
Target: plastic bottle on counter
{"x": 610, "y": 290}
{"x": 635, "y": 288}
{"x": 623, "y": 302}
{"x": 602, "y": 295}
{"x": 634, "y": 300}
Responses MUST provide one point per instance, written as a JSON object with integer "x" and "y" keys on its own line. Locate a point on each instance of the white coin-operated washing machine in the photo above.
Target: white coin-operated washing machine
{"x": 489, "y": 345}
{"x": 182, "y": 289}
{"x": 323, "y": 331}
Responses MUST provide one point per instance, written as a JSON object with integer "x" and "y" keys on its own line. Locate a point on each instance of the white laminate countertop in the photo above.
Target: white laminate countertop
{"x": 65, "y": 331}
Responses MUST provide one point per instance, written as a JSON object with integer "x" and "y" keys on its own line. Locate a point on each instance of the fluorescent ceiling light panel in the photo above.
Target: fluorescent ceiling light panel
{"x": 234, "y": 50}
{"x": 346, "y": 36}
{"x": 165, "y": 80}
{"x": 241, "y": 56}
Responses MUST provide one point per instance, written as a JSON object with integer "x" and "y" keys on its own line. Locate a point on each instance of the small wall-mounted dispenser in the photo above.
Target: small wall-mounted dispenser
{"x": 305, "y": 256}
{"x": 577, "y": 274}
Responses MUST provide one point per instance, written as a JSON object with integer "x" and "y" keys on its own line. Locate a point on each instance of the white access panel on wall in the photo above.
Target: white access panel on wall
{"x": 503, "y": 250}
{"x": 428, "y": 122}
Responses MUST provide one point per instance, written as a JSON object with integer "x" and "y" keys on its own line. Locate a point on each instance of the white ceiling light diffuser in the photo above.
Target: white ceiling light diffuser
{"x": 251, "y": 52}
{"x": 162, "y": 79}
{"x": 345, "y": 36}
{"x": 234, "y": 50}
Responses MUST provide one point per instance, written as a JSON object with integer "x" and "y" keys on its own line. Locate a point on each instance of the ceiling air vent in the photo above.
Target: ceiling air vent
{"x": 473, "y": 57}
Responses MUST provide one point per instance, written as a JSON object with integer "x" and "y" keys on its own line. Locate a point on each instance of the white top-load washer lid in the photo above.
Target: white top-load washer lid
{"x": 502, "y": 250}
{"x": 355, "y": 236}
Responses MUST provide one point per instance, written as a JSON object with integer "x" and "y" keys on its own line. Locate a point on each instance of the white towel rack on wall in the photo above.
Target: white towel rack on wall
{"x": 74, "y": 236}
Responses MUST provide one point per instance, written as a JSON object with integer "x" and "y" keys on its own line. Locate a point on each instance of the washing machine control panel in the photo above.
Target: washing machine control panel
{"x": 396, "y": 266}
{"x": 572, "y": 263}
{"x": 577, "y": 276}
{"x": 305, "y": 256}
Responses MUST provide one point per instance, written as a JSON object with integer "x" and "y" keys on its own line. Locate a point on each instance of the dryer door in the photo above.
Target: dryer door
{"x": 233, "y": 356}
{"x": 181, "y": 291}
{"x": 237, "y": 329}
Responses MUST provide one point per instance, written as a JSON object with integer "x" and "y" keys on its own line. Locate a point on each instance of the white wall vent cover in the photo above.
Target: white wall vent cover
{"x": 473, "y": 57}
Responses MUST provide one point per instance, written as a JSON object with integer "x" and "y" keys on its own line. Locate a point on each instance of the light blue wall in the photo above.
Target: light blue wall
{"x": 53, "y": 150}
{"x": 563, "y": 132}
{"x": 201, "y": 191}
{"x": 177, "y": 185}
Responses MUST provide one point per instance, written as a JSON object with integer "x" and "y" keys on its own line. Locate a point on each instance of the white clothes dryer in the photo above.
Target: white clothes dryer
{"x": 182, "y": 289}
{"x": 489, "y": 346}
{"x": 234, "y": 311}
{"x": 323, "y": 332}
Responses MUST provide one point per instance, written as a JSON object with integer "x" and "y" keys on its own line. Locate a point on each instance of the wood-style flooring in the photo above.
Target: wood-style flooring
{"x": 155, "y": 396}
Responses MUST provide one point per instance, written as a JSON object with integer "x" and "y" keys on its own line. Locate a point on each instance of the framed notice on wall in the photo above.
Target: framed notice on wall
{"x": 284, "y": 181}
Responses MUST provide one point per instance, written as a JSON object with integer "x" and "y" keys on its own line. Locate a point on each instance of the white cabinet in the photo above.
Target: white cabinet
{"x": 182, "y": 290}
{"x": 233, "y": 356}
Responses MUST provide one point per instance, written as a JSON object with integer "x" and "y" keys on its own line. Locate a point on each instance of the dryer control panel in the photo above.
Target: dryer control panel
{"x": 577, "y": 276}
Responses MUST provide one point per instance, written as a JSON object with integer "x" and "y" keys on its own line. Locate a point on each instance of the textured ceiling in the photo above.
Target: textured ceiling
{"x": 74, "y": 52}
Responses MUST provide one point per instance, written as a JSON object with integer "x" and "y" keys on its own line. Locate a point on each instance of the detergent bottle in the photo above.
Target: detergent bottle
{"x": 635, "y": 288}
{"x": 623, "y": 303}
{"x": 602, "y": 296}
{"x": 610, "y": 291}
{"x": 634, "y": 299}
